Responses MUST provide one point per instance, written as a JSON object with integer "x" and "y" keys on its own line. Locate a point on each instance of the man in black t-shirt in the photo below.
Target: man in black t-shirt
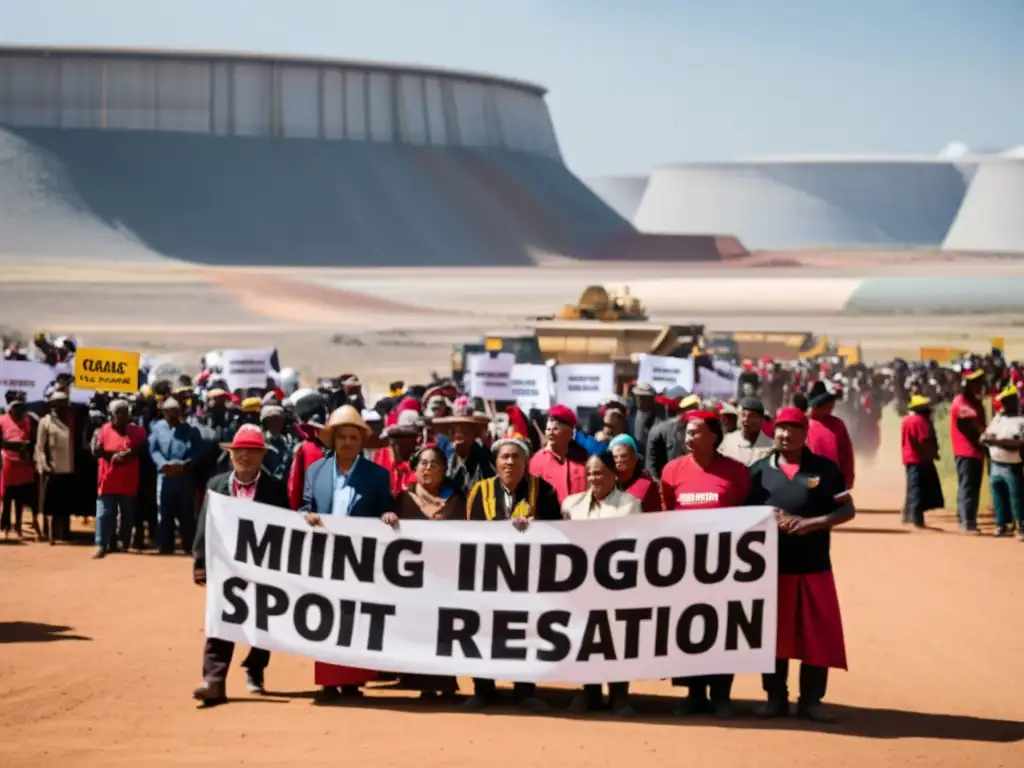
{"x": 810, "y": 498}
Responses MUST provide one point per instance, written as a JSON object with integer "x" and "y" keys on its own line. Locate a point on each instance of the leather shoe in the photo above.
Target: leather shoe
{"x": 211, "y": 694}
{"x": 815, "y": 713}
{"x": 535, "y": 705}
{"x": 773, "y": 708}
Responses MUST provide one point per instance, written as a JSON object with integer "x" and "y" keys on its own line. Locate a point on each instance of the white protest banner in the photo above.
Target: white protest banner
{"x": 489, "y": 375}
{"x": 26, "y": 376}
{"x": 633, "y": 598}
{"x": 718, "y": 381}
{"x": 246, "y": 368}
{"x": 531, "y": 386}
{"x": 584, "y": 385}
{"x": 664, "y": 372}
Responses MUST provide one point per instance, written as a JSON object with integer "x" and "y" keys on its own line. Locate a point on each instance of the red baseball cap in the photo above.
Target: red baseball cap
{"x": 791, "y": 415}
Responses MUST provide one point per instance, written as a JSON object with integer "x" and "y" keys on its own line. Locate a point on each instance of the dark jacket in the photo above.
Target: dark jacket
{"x": 479, "y": 465}
{"x": 666, "y": 441}
{"x": 370, "y": 484}
{"x": 268, "y": 491}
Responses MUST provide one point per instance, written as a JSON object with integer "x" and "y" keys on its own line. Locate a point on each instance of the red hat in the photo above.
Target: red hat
{"x": 247, "y": 436}
{"x": 791, "y": 415}
{"x": 563, "y": 414}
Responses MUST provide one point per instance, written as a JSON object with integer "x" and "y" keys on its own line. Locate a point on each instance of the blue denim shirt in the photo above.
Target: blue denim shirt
{"x": 180, "y": 443}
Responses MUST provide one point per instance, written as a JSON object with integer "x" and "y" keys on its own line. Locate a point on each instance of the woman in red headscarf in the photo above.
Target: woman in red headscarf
{"x": 704, "y": 479}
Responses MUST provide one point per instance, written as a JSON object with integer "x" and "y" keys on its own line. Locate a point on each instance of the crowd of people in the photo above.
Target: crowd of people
{"x": 143, "y": 463}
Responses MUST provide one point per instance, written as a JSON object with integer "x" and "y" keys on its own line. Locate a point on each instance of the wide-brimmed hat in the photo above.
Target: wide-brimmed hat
{"x": 918, "y": 401}
{"x": 346, "y": 416}
{"x": 248, "y": 437}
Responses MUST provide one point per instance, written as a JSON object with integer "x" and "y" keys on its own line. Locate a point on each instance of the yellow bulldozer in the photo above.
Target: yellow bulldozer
{"x": 609, "y": 306}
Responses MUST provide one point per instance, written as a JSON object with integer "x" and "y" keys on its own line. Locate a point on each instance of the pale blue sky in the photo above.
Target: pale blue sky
{"x": 641, "y": 83}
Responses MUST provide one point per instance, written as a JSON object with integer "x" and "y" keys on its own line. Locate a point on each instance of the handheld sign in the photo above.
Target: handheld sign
{"x": 107, "y": 370}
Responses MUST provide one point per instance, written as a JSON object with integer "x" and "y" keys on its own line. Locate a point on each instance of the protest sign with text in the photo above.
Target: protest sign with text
{"x": 26, "y": 376}
{"x": 246, "y": 368}
{"x": 489, "y": 375}
{"x": 106, "y": 370}
{"x": 531, "y": 386}
{"x": 633, "y": 598}
{"x": 584, "y": 385}
{"x": 665, "y": 372}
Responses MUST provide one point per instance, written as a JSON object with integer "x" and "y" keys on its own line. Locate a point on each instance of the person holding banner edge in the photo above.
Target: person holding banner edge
{"x": 246, "y": 480}
{"x": 517, "y": 495}
{"x": 432, "y": 497}
{"x": 704, "y": 479}
{"x": 810, "y": 495}
{"x": 343, "y": 483}
{"x": 602, "y": 500}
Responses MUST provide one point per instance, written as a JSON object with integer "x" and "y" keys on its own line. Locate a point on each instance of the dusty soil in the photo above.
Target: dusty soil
{"x": 99, "y": 658}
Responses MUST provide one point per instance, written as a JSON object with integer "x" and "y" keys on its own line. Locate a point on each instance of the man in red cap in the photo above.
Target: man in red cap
{"x": 244, "y": 481}
{"x": 562, "y": 462}
{"x": 704, "y": 479}
{"x": 810, "y": 496}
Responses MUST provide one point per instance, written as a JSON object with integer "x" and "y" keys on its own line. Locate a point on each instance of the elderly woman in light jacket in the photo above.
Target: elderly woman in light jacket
{"x": 602, "y": 499}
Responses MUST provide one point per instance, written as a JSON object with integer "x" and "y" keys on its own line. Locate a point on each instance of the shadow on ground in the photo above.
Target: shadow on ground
{"x": 34, "y": 632}
{"x": 851, "y": 721}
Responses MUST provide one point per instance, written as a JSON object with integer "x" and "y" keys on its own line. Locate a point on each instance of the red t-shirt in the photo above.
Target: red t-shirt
{"x": 644, "y": 487}
{"x": 685, "y": 485}
{"x": 828, "y": 437}
{"x": 121, "y": 478}
{"x": 402, "y": 475}
{"x": 16, "y": 470}
{"x": 963, "y": 408}
{"x": 567, "y": 476}
{"x": 917, "y": 439}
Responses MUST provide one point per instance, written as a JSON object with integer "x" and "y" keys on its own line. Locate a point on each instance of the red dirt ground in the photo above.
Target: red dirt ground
{"x": 99, "y": 659}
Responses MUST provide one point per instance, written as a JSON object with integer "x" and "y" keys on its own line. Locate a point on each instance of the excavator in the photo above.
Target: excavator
{"x": 598, "y": 303}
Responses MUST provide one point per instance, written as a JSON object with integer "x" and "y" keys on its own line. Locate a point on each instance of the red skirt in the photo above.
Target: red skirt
{"x": 331, "y": 675}
{"x": 810, "y": 626}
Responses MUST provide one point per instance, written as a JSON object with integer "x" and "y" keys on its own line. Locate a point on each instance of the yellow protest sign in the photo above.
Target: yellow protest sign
{"x": 108, "y": 370}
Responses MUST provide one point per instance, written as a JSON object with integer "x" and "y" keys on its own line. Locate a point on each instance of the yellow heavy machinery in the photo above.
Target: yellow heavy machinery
{"x": 598, "y": 303}
{"x": 619, "y": 342}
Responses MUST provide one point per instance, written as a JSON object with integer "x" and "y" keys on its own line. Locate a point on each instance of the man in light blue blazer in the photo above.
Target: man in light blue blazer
{"x": 345, "y": 483}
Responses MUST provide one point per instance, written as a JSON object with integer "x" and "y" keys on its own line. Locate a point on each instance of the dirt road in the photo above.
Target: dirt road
{"x": 99, "y": 658}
